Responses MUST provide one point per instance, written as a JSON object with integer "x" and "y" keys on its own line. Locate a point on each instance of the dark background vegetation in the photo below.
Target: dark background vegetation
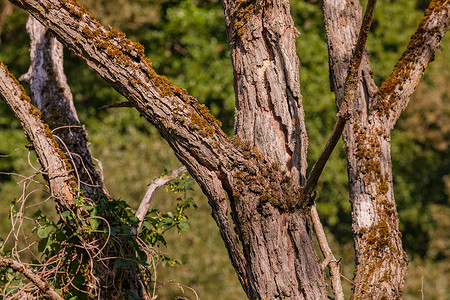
{"x": 186, "y": 41}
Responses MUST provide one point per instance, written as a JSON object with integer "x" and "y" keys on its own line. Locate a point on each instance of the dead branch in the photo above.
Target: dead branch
{"x": 151, "y": 189}
{"x": 329, "y": 259}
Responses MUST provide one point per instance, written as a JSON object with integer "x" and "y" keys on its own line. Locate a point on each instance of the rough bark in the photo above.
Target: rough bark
{"x": 51, "y": 94}
{"x": 278, "y": 259}
{"x": 55, "y": 167}
{"x": 380, "y": 260}
{"x": 269, "y": 112}
{"x": 269, "y": 115}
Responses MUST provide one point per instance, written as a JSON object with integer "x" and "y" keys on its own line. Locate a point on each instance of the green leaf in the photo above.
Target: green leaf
{"x": 88, "y": 207}
{"x": 37, "y": 214}
{"x": 43, "y": 232}
{"x": 42, "y": 244}
{"x": 78, "y": 201}
{"x": 183, "y": 226}
{"x": 94, "y": 223}
{"x": 132, "y": 296}
{"x": 66, "y": 214}
{"x": 123, "y": 263}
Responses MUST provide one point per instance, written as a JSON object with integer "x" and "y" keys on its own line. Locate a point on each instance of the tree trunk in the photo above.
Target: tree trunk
{"x": 52, "y": 96}
{"x": 380, "y": 259}
{"x": 269, "y": 115}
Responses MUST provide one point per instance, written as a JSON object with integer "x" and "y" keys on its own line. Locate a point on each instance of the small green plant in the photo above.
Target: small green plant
{"x": 66, "y": 249}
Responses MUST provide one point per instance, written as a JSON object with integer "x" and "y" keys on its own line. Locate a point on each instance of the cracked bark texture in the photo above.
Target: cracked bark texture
{"x": 380, "y": 259}
{"x": 269, "y": 115}
{"x": 269, "y": 112}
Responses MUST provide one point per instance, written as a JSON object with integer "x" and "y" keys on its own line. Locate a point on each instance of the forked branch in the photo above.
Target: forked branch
{"x": 152, "y": 188}
{"x": 345, "y": 107}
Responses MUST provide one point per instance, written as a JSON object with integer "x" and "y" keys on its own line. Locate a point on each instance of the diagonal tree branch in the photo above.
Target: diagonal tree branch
{"x": 40, "y": 282}
{"x": 393, "y": 95}
{"x": 346, "y": 104}
{"x": 56, "y": 168}
{"x": 181, "y": 120}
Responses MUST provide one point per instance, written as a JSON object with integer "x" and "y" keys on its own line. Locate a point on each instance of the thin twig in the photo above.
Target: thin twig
{"x": 354, "y": 283}
{"x": 40, "y": 282}
{"x": 330, "y": 260}
{"x": 152, "y": 188}
{"x": 115, "y": 105}
{"x": 345, "y": 107}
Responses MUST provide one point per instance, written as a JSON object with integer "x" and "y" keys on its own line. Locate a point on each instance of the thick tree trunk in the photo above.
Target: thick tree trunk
{"x": 269, "y": 115}
{"x": 269, "y": 112}
{"x": 380, "y": 259}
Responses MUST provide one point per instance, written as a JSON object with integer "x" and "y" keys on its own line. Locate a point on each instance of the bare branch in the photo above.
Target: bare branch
{"x": 40, "y": 282}
{"x": 330, "y": 260}
{"x": 393, "y": 95}
{"x": 115, "y": 105}
{"x": 345, "y": 107}
{"x": 152, "y": 188}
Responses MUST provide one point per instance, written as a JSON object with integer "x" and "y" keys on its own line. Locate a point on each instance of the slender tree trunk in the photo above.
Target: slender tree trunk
{"x": 52, "y": 96}
{"x": 380, "y": 259}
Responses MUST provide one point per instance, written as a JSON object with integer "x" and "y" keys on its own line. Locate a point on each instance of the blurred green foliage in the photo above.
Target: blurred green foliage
{"x": 186, "y": 41}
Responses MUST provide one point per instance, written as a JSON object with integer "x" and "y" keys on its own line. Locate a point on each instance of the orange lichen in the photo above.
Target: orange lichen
{"x": 243, "y": 11}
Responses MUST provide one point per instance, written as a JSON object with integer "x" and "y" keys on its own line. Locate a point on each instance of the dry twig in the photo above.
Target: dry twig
{"x": 40, "y": 282}
{"x": 330, "y": 260}
{"x": 152, "y": 188}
